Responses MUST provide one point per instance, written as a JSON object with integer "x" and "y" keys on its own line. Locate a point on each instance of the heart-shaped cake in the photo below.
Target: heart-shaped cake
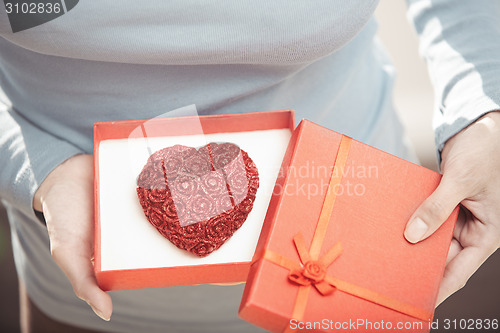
{"x": 198, "y": 198}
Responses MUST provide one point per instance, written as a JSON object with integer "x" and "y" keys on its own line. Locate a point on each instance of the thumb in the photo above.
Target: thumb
{"x": 434, "y": 211}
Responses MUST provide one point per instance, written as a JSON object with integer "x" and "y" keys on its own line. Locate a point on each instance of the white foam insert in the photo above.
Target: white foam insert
{"x": 129, "y": 241}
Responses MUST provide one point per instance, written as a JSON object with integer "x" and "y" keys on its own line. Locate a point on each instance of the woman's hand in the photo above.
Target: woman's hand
{"x": 67, "y": 202}
{"x": 471, "y": 177}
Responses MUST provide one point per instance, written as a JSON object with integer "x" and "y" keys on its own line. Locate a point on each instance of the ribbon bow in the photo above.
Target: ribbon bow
{"x": 314, "y": 271}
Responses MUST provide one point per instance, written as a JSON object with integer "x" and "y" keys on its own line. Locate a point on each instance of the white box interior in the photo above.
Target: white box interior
{"x": 129, "y": 241}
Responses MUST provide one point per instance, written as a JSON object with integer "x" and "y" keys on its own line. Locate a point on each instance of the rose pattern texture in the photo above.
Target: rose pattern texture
{"x": 198, "y": 198}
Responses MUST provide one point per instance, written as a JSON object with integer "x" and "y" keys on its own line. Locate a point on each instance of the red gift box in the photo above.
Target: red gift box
{"x": 332, "y": 255}
{"x": 129, "y": 252}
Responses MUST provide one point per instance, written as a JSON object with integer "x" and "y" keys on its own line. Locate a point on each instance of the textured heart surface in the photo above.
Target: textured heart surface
{"x": 198, "y": 198}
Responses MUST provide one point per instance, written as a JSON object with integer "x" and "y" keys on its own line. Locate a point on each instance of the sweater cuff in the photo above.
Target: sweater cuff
{"x": 445, "y": 127}
{"x": 29, "y": 154}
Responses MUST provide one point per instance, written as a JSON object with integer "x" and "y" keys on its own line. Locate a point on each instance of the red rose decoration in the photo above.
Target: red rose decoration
{"x": 197, "y": 198}
{"x": 315, "y": 271}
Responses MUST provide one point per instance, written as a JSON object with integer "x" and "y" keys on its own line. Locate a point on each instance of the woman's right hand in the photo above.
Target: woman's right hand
{"x": 66, "y": 199}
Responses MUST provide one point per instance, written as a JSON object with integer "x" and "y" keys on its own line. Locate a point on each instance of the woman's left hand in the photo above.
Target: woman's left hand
{"x": 471, "y": 177}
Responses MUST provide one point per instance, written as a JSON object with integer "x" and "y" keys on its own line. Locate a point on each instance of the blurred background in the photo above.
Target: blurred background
{"x": 480, "y": 299}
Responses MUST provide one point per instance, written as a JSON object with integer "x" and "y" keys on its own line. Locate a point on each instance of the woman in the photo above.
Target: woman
{"x": 100, "y": 61}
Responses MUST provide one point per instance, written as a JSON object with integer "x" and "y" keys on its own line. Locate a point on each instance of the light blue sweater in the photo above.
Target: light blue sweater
{"x": 109, "y": 60}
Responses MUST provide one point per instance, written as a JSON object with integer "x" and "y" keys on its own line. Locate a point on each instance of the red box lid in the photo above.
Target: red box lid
{"x": 376, "y": 196}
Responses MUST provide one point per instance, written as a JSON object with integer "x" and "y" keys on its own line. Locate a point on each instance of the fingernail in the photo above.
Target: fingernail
{"x": 416, "y": 230}
{"x": 99, "y": 313}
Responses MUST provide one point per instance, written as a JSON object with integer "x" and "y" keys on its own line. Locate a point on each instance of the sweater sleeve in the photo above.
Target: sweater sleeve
{"x": 28, "y": 155}
{"x": 460, "y": 42}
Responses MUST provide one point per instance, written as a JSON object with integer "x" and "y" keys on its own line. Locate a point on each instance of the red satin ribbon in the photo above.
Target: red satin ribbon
{"x": 311, "y": 270}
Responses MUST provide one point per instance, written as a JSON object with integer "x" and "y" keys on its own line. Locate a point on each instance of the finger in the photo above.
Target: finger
{"x": 454, "y": 250}
{"x": 455, "y": 246}
{"x": 77, "y": 266}
{"x": 433, "y": 212}
{"x": 459, "y": 270}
